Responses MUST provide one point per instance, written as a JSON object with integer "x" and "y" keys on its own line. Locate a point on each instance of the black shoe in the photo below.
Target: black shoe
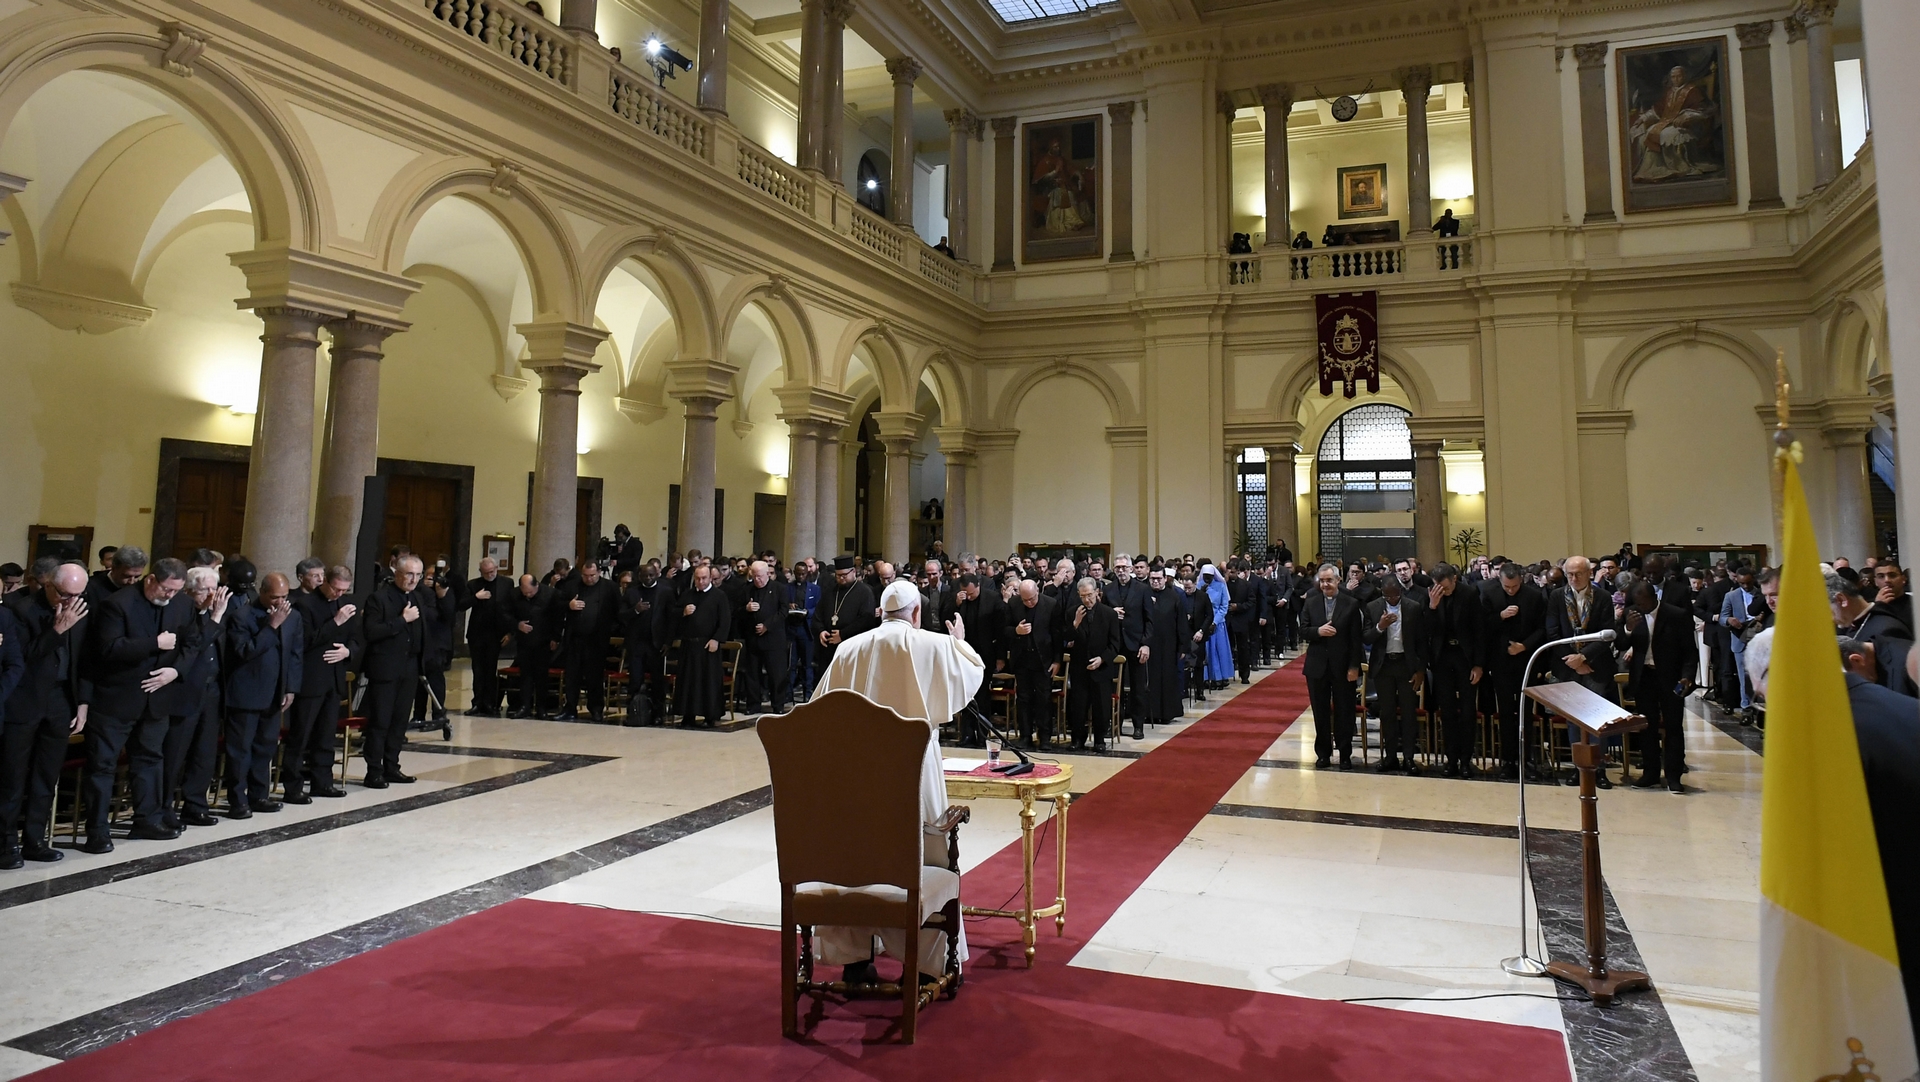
{"x": 1386, "y": 766}
{"x": 10, "y": 859}
{"x": 328, "y": 790}
{"x": 400, "y": 777}
{"x": 1510, "y": 771}
{"x": 1323, "y": 763}
{"x": 1413, "y": 769}
{"x": 1674, "y": 786}
{"x": 1346, "y": 762}
{"x": 42, "y": 854}
{"x": 268, "y": 805}
{"x": 1648, "y": 779}
{"x": 239, "y": 811}
{"x": 298, "y": 798}
{"x": 1600, "y": 780}
{"x": 1139, "y": 731}
{"x": 195, "y": 818}
{"x": 517, "y": 715}
{"x": 147, "y": 833}
{"x": 375, "y": 781}
{"x": 98, "y": 846}
{"x": 482, "y": 712}
{"x": 171, "y": 822}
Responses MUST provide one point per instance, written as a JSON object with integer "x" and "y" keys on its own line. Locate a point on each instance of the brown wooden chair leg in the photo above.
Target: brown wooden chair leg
{"x": 910, "y": 979}
{"x": 789, "y": 967}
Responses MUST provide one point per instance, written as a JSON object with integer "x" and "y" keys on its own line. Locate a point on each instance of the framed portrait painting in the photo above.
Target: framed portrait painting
{"x": 1363, "y": 191}
{"x": 1062, "y": 219}
{"x": 1674, "y": 149}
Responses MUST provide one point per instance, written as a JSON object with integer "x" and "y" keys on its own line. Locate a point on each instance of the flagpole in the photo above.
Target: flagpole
{"x": 1782, "y": 446}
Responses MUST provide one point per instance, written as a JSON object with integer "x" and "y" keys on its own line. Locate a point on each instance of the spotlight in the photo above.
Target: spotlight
{"x": 873, "y": 185}
{"x": 663, "y": 59}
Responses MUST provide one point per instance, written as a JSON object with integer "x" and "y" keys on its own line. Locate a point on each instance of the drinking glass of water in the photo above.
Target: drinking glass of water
{"x": 993, "y": 751}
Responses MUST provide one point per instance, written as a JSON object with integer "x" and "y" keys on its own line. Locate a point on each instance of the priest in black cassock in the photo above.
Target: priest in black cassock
{"x": 1167, "y": 637}
{"x": 846, "y": 609}
{"x": 1128, "y": 598}
{"x": 703, "y": 615}
{"x": 1200, "y": 624}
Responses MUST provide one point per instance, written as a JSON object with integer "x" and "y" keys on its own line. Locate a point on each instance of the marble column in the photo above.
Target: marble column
{"x": 1596, "y": 168}
{"x": 960, "y": 466}
{"x": 1415, "y": 84}
{"x": 1429, "y": 500}
{"x": 349, "y": 453}
{"x": 1277, "y": 102}
{"x": 1823, "y": 89}
{"x": 713, "y": 56}
{"x": 834, "y": 79}
{"x": 813, "y": 84}
{"x": 1121, "y": 112}
{"x": 561, "y": 354}
{"x": 1283, "y": 520}
{"x": 1756, "y": 77}
{"x": 697, "y": 471}
{"x": 899, "y": 536}
{"x": 803, "y": 470}
{"x": 580, "y": 16}
{"x": 905, "y": 70}
{"x": 1852, "y": 496}
{"x": 962, "y": 129}
{"x": 1892, "y": 35}
{"x": 1005, "y": 211}
{"x": 280, "y": 465}
{"x": 826, "y": 518}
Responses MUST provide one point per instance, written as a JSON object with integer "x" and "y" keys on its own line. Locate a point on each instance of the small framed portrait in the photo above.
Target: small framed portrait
{"x": 1363, "y": 191}
{"x": 498, "y": 547}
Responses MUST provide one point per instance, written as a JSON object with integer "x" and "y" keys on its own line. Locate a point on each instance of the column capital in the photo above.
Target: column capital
{"x": 362, "y": 336}
{"x": 557, "y": 343}
{"x": 1121, "y": 111}
{"x": 1754, "y": 35}
{"x": 1416, "y": 81}
{"x": 283, "y": 277}
{"x": 700, "y": 377}
{"x": 1275, "y": 95}
{"x": 1796, "y": 29}
{"x": 957, "y": 441}
{"x": 800, "y": 402}
{"x": 904, "y": 69}
{"x": 837, "y": 12}
{"x": 1590, "y": 54}
{"x": 963, "y": 123}
{"x": 897, "y": 445}
{"x": 960, "y": 460}
{"x": 1223, "y": 104}
{"x": 899, "y": 424}
{"x": 701, "y": 407}
{"x": 1815, "y": 12}
{"x": 285, "y": 323}
{"x": 1005, "y": 126}
{"x": 996, "y": 439}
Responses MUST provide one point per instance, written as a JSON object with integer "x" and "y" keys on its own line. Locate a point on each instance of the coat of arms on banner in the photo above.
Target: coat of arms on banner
{"x": 1349, "y": 342}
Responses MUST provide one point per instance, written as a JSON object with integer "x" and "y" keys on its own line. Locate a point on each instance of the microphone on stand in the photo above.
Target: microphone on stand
{"x": 981, "y": 718}
{"x": 1524, "y": 964}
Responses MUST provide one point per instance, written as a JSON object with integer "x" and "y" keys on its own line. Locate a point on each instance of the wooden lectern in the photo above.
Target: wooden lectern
{"x": 1593, "y": 718}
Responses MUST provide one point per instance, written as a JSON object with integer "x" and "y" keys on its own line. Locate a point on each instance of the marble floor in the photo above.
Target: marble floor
{"x": 1400, "y": 892}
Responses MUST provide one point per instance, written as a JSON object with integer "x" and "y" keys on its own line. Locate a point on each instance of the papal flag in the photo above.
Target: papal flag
{"x": 1831, "y": 1002}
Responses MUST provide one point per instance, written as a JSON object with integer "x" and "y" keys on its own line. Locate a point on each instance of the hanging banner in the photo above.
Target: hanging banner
{"x": 1349, "y": 341}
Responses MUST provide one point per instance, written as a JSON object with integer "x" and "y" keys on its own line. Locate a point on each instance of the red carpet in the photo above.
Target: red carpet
{"x": 553, "y": 991}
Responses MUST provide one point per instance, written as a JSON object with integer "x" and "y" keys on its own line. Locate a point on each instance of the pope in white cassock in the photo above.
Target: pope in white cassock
{"x": 918, "y": 674}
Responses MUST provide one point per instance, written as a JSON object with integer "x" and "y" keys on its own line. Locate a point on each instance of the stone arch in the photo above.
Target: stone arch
{"x": 1119, "y": 403}
{"x": 936, "y": 367}
{"x": 1852, "y": 343}
{"x": 239, "y": 119}
{"x": 1627, "y": 357}
{"x": 776, "y": 300}
{"x": 552, "y": 272}
{"x": 682, "y": 286}
{"x": 1302, "y": 378}
{"x": 889, "y": 360}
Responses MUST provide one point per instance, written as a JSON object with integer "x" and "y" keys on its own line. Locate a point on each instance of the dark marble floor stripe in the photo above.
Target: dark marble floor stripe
{"x": 549, "y": 764}
{"x": 1753, "y": 739}
{"x": 1361, "y": 819}
{"x": 112, "y": 1025}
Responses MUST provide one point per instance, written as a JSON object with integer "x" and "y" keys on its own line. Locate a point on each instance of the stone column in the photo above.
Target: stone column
{"x": 834, "y": 63}
{"x": 561, "y": 354}
{"x": 697, "y": 469}
{"x": 1892, "y": 35}
{"x": 826, "y": 520}
{"x": 1596, "y": 169}
{"x": 1429, "y": 499}
{"x": 1823, "y": 90}
{"x": 962, "y": 129}
{"x": 1277, "y": 101}
{"x": 713, "y": 56}
{"x": 280, "y": 467}
{"x": 1283, "y": 520}
{"x": 960, "y": 466}
{"x": 1763, "y": 154}
{"x": 1852, "y": 497}
{"x": 899, "y": 538}
{"x": 1121, "y": 171}
{"x": 803, "y": 468}
{"x": 905, "y": 70}
{"x": 1005, "y": 211}
{"x": 813, "y": 83}
{"x": 350, "y": 444}
{"x": 1415, "y": 84}
{"x": 580, "y": 16}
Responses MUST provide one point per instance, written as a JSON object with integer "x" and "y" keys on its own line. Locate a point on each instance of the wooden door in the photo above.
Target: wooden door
{"x": 769, "y": 522}
{"x": 420, "y": 515}
{"x": 211, "y": 508}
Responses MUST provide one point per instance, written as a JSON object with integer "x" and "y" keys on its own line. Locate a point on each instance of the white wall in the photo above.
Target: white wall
{"x": 1063, "y": 469}
{"x": 1697, "y": 452}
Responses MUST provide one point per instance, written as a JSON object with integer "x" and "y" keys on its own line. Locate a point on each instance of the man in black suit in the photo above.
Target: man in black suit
{"x": 332, "y": 638}
{"x": 1890, "y": 593}
{"x": 1395, "y": 628}
{"x": 536, "y": 624}
{"x": 1330, "y": 621}
{"x": 487, "y": 628}
{"x": 440, "y": 589}
{"x": 13, "y": 668}
{"x": 1515, "y": 613}
{"x": 1093, "y": 639}
{"x": 1660, "y": 634}
{"x": 590, "y": 608}
{"x": 763, "y": 632}
{"x": 193, "y": 731}
{"x": 977, "y": 603}
{"x": 48, "y": 704}
{"x": 265, "y": 648}
{"x": 1243, "y": 604}
{"x": 1127, "y": 596}
{"x": 142, "y": 638}
{"x": 703, "y": 621}
{"x": 122, "y": 567}
{"x": 390, "y": 624}
{"x": 1035, "y": 660}
{"x": 1165, "y": 651}
{"x": 1454, "y": 654}
{"x": 643, "y": 607}
{"x": 1857, "y": 618}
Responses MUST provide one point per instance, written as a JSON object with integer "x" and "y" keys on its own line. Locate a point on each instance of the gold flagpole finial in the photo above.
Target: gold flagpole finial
{"x": 1782, "y": 408}
{"x": 1783, "y": 447}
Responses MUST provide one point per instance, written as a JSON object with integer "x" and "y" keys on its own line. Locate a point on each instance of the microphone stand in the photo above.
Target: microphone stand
{"x": 1010, "y": 770}
{"x": 1524, "y": 964}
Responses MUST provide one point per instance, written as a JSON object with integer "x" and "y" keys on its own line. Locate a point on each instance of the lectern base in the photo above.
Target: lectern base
{"x": 1600, "y": 987}
{"x": 1523, "y": 966}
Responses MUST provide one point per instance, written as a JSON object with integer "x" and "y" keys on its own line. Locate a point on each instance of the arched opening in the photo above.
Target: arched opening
{"x": 1363, "y": 489}
{"x": 872, "y": 184}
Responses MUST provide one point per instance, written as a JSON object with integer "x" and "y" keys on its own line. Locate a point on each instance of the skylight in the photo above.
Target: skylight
{"x": 1026, "y": 11}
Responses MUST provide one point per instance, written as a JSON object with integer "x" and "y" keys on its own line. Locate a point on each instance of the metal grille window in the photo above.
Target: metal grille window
{"x": 1024, "y": 11}
{"x": 1365, "y": 464}
{"x": 1251, "y": 484}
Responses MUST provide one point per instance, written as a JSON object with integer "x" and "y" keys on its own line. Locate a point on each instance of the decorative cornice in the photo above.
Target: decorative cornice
{"x": 78, "y": 312}
{"x": 1604, "y": 422}
{"x": 509, "y": 387}
{"x": 639, "y": 412}
{"x": 283, "y": 277}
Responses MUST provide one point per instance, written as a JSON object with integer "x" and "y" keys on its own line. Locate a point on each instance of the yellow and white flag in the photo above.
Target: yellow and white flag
{"x": 1831, "y": 1000}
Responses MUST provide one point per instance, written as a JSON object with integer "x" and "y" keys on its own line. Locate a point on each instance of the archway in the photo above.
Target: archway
{"x": 1363, "y": 485}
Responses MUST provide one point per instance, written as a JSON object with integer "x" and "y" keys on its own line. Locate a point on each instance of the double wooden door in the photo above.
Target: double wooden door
{"x": 211, "y": 508}
{"x": 421, "y": 512}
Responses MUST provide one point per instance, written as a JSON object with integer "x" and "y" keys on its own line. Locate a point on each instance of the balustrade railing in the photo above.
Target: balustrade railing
{"x": 1359, "y": 261}
{"x": 1454, "y": 253}
{"x": 508, "y": 29}
{"x": 1243, "y": 270}
{"x": 939, "y": 269}
{"x": 873, "y": 231}
{"x": 774, "y": 177}
{"x": 632, "y": 99}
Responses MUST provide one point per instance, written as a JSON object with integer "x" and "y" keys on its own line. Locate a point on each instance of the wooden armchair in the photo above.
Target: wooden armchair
{"x": 846, "y": 777}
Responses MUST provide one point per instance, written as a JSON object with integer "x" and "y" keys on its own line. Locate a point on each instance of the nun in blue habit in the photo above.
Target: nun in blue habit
{"x": 1219, "y": 648}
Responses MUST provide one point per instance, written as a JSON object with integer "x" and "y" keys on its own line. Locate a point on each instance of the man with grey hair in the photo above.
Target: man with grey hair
{"x": 1330, "y": 621}
{"x": 193, "y": 731}
{"x": 396, "y": 642}
{"x": 124, "y": 566}
{"x": 1093, "y": 640}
